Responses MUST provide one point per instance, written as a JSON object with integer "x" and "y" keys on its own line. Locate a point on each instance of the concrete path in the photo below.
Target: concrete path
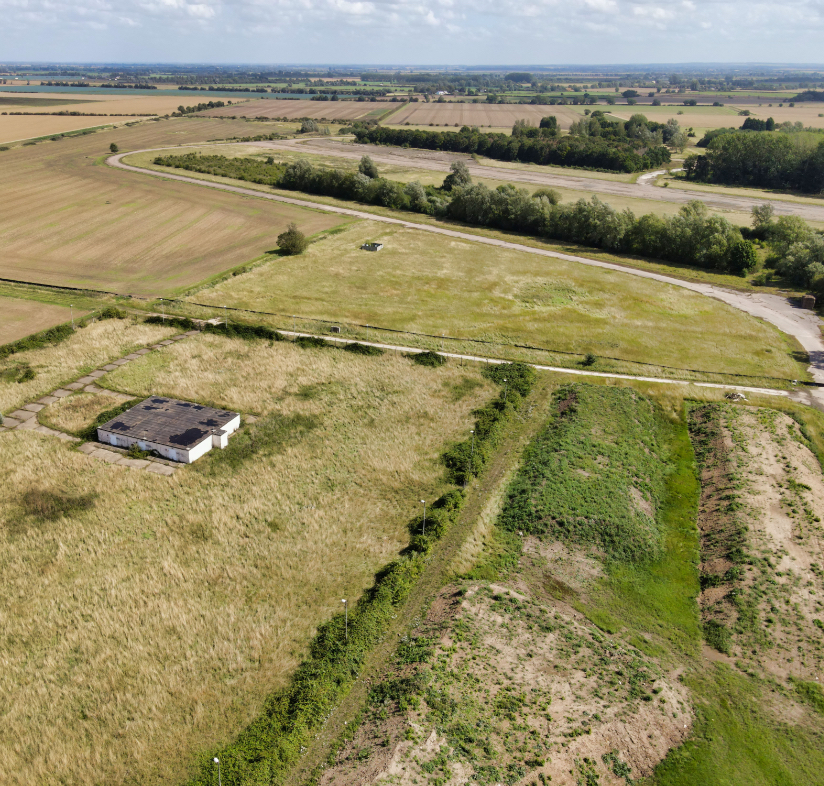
{"x": 25, "y": 418}
{"x": 643, "y": 188}
{"x": 799, "y": 323}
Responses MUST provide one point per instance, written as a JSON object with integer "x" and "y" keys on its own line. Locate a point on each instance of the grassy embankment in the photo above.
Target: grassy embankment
{"x": 113, "y": 575}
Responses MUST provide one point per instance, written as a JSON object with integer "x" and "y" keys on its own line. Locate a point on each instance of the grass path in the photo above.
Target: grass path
{"x": 437, "y": 574}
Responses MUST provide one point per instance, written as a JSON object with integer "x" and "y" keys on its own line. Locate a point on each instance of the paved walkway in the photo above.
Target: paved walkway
{"x": 801, "y": 324}
{"x": 25, "y": 418}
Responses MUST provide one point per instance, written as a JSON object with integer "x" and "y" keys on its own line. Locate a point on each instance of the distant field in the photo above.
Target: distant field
{"x": 483, "y": 114}
{"x": 332, "y": 110}
{"x": 14, "y": 128}
{"x": 21, "y": 318}
{"x": 21, "y": 103}
{"x": 431, "y": 284}
{"x": 69, "y": 220}
{"x": 146, "y": 619}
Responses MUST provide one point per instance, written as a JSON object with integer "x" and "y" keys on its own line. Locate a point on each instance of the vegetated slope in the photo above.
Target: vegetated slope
{"x": 168, "y": 609}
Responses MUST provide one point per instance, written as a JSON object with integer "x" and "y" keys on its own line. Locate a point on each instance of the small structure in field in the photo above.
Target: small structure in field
{"x": 808, "y": 301}
{"x": 177, "y": 430}
{"x": 371, "y": 246}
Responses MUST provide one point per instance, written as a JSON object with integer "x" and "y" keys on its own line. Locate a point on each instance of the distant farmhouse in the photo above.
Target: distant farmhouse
{"x": 177, "y": 430}
{"x": 371, "y": 246}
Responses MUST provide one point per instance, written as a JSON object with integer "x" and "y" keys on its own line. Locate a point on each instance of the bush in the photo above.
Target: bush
{"x": 431, "y": 359}
{"x": 311, "y": 342}
{"x": 114, "y": 148}
{"x": 742, "y": 257}
{"x": 47, "y": 338}
{"x": 110, "y": 312}
{"x": 362, "y": 349}
{"x": 27, "y": 375}
{"x": 90, "y": 432}
{"x": 292, "y": 241}
{"x": 718, "y": 636}
{"x": 520, "y": 376}
{"x": 589, "y": 359}
{"x": 246, "y": 332}
{"x": 184, "y": 323}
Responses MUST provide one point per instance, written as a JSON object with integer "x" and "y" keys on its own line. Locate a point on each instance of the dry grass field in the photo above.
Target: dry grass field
{"x": 21, "y": 318}
{"x": 433, "y": 285}
{"x": 483, "y": 114}
{"x": 69, "y": 220}
{"x": 146, "y": 618}
{"x": 88, "y": 349}
{"x": 15, "y": 128}
{"x": 331, "y": 110}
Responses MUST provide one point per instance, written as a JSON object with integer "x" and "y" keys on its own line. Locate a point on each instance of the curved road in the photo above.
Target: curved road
{"x": 436, "y": 161}
{"x": 799, "y": 323}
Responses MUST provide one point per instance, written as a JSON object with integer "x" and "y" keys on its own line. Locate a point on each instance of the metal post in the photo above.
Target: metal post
{"x": 367, "y": 334}
{"x": 71, "y": 311}
{"x": 163, "y": 310}
{"x": 219, "y": 780}
{"x": 225, "y": 317}
{"x": 506, "y": 389}
{"x": 346, "y": 617}
{"x": 471, "y": 457}
{"x": 423, "y": 501}
{"x": 294, "y": 324}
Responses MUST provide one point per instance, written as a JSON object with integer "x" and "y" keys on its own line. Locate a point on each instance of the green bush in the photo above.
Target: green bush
{"x": 90, "y": 432}
{"x": 110, "y": 312}
{"x": 184, "y": 323}
{"x": 246, "y": 332}
{"x": 718, "y": 636}
{"x": 431, "y": 359}
{"x": 48, "y": 337}
{"x": 27, "y": 375}
{"x": 362, "y": 349}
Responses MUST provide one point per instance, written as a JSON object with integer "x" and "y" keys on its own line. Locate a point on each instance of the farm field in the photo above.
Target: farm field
{"x": 125, "y": 232}
{"x": 434, "y": 285}
{"x": 331, "y": 110}
{"x": 21, "y": 318}
{"x": 498, "y": 116}
{"x": 167, "y": 609}
{"x": 16, "y": 128}
{"x": 102, "y": 104}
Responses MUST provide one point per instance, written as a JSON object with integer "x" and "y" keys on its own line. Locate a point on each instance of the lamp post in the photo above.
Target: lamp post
{"x": 217, "y": 761}
{"x": 471, "y": 457}
{"x": 423, "y": 531}
{"x": 163, "y": 310}
{"x": 71, "y": 311}
{"x": 346, "y": 617}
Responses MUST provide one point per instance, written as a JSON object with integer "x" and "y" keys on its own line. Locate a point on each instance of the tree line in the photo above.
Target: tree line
{"x": 760, "y": 160}
{"x": 692, "y": 237}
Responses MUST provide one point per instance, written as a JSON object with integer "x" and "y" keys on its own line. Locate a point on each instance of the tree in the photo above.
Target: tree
{"x": 762, "y": 216}
{"x": 459, "y": 176}
{"x": 367, "y": 167}
{"x": 113, "y": 147}
{"x": 308, "y": 126}
{"x": 550, "y": 194}
{"x": 292, "y": 241}
{"x": 742, "y": 257}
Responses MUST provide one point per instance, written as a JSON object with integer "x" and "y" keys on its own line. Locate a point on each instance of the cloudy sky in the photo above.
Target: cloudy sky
{"x": 413, "y": 31}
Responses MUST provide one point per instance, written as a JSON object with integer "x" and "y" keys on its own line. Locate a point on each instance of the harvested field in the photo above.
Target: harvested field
{"x": 21, "y": 318}
{"x": 330, "y": 110}
{"x": 125, "y": 232}
{"x": 124, "y": 103}
{"x": 432, "y": 284}
{"x": 494, "y": 115}
{"x": 14, "y": 128}
{"x": 166, "y": 609}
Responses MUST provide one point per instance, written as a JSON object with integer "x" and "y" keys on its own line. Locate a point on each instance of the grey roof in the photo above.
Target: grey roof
{"x": 167, "y": 421}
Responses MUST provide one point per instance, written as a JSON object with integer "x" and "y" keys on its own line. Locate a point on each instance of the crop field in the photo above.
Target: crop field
{"x": 331, "y": 110}
{"x": 433, "y": 285}
{"x": 21, "y": 318}
{"x": 125, "y": 232}
{"x": 495, "y": 115}
{"x": 14, "y": 128}
{"x": 151, "y": 616}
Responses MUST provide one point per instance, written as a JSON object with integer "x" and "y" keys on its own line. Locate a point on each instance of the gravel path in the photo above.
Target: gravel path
{"x": 436, "y": 161}
{"x": 801, "y": 324}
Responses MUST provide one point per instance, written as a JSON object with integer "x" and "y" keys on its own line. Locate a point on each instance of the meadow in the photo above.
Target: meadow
{"x": 147, "y": 618}
{"x": 20, "y": 318}
{"x": 69, "y": 220}
{"x": 433, "y": 285}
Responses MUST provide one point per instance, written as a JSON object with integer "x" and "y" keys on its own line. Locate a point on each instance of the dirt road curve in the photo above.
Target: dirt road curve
{"x": 439, "y": 162}
{"x": 803, "y": 325}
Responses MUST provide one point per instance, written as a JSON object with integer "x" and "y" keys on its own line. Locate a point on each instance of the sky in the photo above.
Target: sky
{"x": 459, "y": 32}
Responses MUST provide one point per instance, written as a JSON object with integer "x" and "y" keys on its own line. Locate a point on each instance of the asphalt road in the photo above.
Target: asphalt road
{"x": 436, "y": 161}
{"x": 802, "y": 324}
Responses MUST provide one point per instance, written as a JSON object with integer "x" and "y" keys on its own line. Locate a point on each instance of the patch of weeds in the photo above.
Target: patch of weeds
{"x": 718, "y": 636}
{"x": 90, "y": 432}
{"x": 429, "y": 359}
{"x": 811, "y": 692}
{"x": 134, "y": 452}
{"x": 463, "y": 388}
{"x": 619, "y": 768}
{"x": 362, "y": 349}
{"x": 415, "y": 650}
{"x": 46, "y": 505}
{"x": 316, "y": 390}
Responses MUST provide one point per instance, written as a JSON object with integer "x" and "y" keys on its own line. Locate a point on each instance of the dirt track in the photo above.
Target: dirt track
{"x": 803, "y": 325}
{"x": 439, "y": 162}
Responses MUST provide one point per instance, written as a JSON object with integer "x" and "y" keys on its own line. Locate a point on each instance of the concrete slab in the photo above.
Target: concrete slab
{"x": 46, "y": 400}
{"x": 62, "y": 393}
{"x": 133, "y": 356}
{"x": 11, "y": 423}
{"x": 166, "y": 343}
{"x": 22, "y": 414}
{"x": 88, "y": 447}
{"x": 142, "y": 352}
{"x": 121, "y": 362}
{"x": 93, "y": 389}
{"x": 28, "y": 425}
{"x": 110, "y": 367}
{"x": 133, "y": 463}
{"x": 105, "y": 455}
{"x": 67, "y": 437}
{"x": 97, "y": 374}
{"x": 74, "y": 386}
{"x": 33, "y": 407}
{"x": 159, "y": 469}
{"x": 155, "y": 346}
{"x": 192, "y": 333}
{"x": 47, "y": 430}
{"x": 86, "y": 380}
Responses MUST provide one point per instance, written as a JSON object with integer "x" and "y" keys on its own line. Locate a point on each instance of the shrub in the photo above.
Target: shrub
{"x": 90, "y": 432}
{"x": 718, "y": 636}
{"x": 362, "y": 349}
{"x": 27, "y": 375}
{"x": 520, "y": 376}
{"x": 184, "y": 323}
{"x": 292, "y": 241}
{"x": 311, "y": 342}
{"x": 110, "y": 312}
{"x": 431, "y": 359}
{"x": 114, "y": 148}
{"x": 589, "y": 359}
{"x": 246, "y": 332}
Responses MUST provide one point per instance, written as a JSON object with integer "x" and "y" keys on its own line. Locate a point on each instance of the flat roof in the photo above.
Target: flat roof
{"x": 167, "y": 421}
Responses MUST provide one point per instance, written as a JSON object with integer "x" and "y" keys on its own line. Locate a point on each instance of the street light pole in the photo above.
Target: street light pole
{"x": 471, "y": 457}
{"x": 219, "y": 780}
{"x": 423, "y": 502}
{"x": 346, "y": 617}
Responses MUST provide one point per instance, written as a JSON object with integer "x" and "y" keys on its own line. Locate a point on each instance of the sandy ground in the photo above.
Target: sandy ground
{"x": 802, "y": 324}
{"x": 440, "y": 162}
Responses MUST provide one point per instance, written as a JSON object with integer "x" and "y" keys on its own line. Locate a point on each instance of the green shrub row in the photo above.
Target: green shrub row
{"x": 247, "y": 332}
{"x": 184, "y": 323}
{"x": 273, "y": 742}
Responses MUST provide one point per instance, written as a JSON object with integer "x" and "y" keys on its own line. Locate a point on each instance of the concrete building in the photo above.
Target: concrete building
{"x": 371, "y": 246}
{"x": 177, "y": 430}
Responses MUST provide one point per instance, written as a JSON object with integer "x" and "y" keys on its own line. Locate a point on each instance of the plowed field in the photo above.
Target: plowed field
{"x": 69, "y": 220}
{"x": 21, "y": 318}
{"x": 13, "y": 128}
